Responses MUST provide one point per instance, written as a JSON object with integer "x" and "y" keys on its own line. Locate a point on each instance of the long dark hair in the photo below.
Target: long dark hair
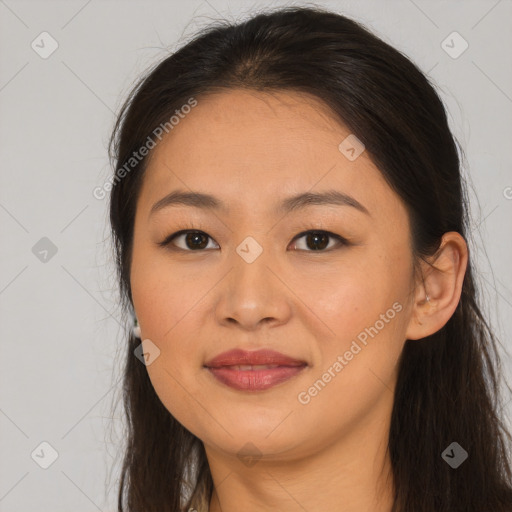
{"x": 448, "y": 385}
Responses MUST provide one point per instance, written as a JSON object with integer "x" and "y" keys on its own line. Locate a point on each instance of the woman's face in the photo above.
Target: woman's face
{"x": 249, "y": 282}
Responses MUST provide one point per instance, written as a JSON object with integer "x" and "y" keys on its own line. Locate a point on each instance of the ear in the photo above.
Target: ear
{"x": 442, "y": 280}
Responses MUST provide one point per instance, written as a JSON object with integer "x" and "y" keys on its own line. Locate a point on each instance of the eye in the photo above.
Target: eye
{"x": 194, "y": 240}
{"x": 319, "y": 240}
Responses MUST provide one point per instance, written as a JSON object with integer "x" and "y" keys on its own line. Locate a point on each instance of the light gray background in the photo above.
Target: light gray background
{"x": 61, "y": 331}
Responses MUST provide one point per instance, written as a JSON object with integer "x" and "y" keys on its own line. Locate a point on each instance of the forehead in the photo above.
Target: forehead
{"x": 251, "y": 148}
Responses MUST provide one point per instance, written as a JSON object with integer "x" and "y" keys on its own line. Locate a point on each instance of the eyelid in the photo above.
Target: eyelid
{"x": 169, "y": 239}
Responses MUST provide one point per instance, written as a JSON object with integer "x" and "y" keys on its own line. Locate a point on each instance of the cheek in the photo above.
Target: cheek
{"x": 170, "y": 314}
{"x": 157, "y": 298}
{"x": 172, "y": 318}
{"x": 357, "y": 373}
{"x": 365, "y": 311}
{"x": 350, "y": 299}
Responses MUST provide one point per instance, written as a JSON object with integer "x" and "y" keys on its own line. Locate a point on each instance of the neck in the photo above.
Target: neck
{"x": 350, "y": 474}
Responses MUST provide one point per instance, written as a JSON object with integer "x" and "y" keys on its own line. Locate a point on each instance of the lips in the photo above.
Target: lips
{"x": 254, "y": 380}
{"x": 254, "y": 371}
{"x": 244, "y": 360}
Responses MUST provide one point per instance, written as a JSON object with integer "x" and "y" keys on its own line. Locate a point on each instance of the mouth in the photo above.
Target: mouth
{"x": 254, "y": 371}
{"x": 254, "y": 377}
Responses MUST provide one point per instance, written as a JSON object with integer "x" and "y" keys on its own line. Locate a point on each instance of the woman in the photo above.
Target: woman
{"x": 289, "y": 221}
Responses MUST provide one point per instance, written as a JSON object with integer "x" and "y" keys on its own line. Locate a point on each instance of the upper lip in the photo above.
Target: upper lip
{"x": 238, "y": 357}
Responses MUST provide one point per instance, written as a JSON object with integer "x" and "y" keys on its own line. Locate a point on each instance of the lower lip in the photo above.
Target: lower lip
{"x": 255, "y": 380}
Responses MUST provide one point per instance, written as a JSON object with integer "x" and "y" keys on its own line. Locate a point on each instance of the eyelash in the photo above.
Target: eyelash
{"x": 167, "y": 242}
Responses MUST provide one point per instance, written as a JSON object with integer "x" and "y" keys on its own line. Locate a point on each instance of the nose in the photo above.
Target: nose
{"x": 253, "y": 294}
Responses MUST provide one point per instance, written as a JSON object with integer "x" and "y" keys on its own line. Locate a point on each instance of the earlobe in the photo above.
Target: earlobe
{"x": 439, "y": 289}
{"x": 136, "y": 328}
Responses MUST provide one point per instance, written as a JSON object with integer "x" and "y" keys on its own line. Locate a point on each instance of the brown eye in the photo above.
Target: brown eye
{"x": 318, "y": 240}
{"x": 192, "y": 240}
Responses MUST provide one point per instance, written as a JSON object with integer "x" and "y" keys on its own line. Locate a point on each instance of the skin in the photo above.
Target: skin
{"x": 251, "y": 150}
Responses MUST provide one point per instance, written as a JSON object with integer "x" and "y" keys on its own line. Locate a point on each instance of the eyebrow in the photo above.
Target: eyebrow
{"x": 293, "y": 203}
